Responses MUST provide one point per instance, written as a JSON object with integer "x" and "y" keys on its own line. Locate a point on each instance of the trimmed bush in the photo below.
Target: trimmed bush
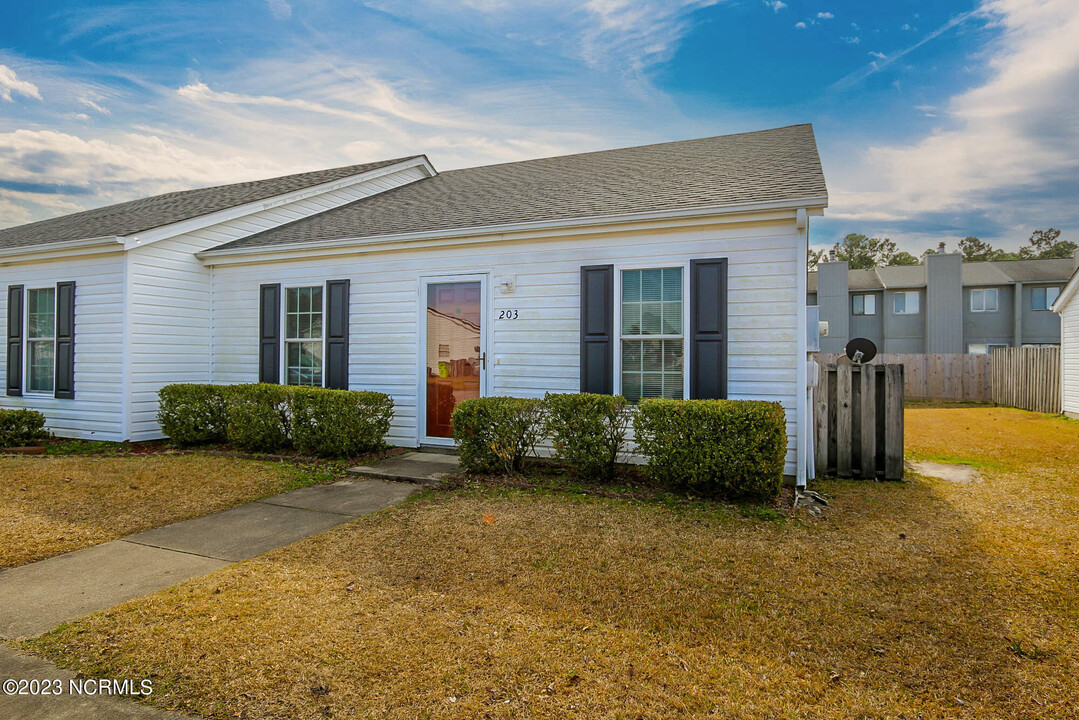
{"x": 191, "y": 414}
{"x": 496, "y": 434}
{"x": 732, "y": 449}
{"x": 21, "y": 427}
{"x": 259, "y": 417}
{"x": 588, "y": 431}
{"x": 339, "y": 423}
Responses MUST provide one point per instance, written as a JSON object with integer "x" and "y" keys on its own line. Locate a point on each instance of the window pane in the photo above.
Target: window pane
{"x": 672, "y": 318}
{"x": 900, "y": 303}
{"x": 303, "y": 362}
{"x": 631, "y": 354}
{"x": 991, "y": 300}
{"x": 858, "y": 304}
{"x": 650, "y": 318}
{"x": 291, "y": 299}
{"x": 870, "y": 305}
{"x": 40, "y": 319}
{"x": 1051, "y": 295}
{"x": 631, "y": 318}
{"x": 631, "y": 386}
{"x": 631, "y": 286}
{"x": 1037, "y": 299}
{"x": 672, "y": 284}
{"x": 912, "y": 302}
{"x": 651, "y": 285}
{"x": 652, "y": 355}
{"x": 41, "y": 366}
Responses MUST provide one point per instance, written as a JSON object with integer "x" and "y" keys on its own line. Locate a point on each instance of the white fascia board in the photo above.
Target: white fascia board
{"x": 64, "y": 249}
{"x": 1067, "y": 293}
{"x": 776, "y": 210}
{"x": 239, "y": 211}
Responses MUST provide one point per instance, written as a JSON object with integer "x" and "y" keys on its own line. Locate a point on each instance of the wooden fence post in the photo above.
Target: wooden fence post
{"x": 893, "y": 422}
{"x": 844, "y": 420}
{"x": 869, "y": 423}
{"x": 820, "y": 412}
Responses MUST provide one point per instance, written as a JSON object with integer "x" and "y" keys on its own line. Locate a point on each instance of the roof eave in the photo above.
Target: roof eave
{"x": 818, "y": 202}
{"x": 1066, "y": 295}
{"x": 64, "y": 246}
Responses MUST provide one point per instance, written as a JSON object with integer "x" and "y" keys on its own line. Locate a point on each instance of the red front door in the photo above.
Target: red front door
{"x": 453, "y": 351}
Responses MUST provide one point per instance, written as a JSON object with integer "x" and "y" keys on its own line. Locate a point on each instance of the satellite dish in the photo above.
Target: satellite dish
{"x": 860, "y": 350}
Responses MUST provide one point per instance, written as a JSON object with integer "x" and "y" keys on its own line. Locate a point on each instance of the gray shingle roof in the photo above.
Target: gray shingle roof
{"x": 147, "y": 213}
{"x": 994, "y": 272}
{"x": 769, "y": 165}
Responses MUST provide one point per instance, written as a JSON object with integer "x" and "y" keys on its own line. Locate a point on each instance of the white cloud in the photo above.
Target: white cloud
{"x": 776, "y": 5}
{"x": 800, "y": 25}
{"x": 10, "y": 85}
{"x": 280, "y": 9}
{"x": 852, "y": 40}
{"x": 906, "y": 26}
{"x": 878, "y": 55}
{"x": 1015, "y": 135}
{"x": 92, "y": 104}
{"x": 825, "y": 16}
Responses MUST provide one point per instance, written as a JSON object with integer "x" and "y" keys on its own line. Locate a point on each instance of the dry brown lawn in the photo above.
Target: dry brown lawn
{"x": 52, "y": 505}
{"x": 915, "y": 600}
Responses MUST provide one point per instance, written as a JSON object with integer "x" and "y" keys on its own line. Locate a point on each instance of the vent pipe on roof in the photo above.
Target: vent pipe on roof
{"x": 940, "y": 248}
{"x": 831, "y": 255}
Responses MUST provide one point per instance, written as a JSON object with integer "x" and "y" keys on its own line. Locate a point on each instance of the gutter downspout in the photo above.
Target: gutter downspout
{"x": 803, "y": 433}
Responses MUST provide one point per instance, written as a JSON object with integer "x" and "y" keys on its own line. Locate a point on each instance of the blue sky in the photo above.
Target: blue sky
{"x": 935, "y": 120}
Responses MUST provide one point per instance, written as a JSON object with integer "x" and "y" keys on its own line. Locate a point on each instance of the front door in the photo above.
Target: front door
{"x": 455, "y": 358}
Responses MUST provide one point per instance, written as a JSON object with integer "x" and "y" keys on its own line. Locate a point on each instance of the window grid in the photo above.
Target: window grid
{"x": 864, "y": 304}
{"x": 40, "y": 340}
{"x": 303, "y": 336}
{"x": 1042, "y": 298}
{"x": 984, "y": 300}
{"x": 652, "y": 345}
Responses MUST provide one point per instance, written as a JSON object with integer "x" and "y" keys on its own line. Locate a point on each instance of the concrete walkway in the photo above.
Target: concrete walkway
{"x": 425, "y": 468}
{"x": 37, "y": 597}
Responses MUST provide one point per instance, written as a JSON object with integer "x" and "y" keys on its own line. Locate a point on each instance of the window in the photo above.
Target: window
{"x": 303, "y": 336}
{"x": 1042, "y": 298}
{"x": 905, "y": 303}
{"x": 652, "y": 334}
{"x": 983, "y": 300}
{"x": 864, "y": 304}
{"x": 983, "y": 348}
{"x": 40, "y": 340}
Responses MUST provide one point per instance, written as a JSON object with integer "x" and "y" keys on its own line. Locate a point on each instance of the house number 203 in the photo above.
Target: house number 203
{"x": 507, "y": 315}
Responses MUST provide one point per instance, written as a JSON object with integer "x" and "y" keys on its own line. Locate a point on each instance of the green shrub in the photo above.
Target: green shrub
{"x": 732, "y": 449}
{"x": 496, "y": 434}
{"x": 339, "y": 423}
{"x": 588, "y": 431}
{"x": 192, "y": 414}
{"x": 259, "y": 417}
{"x": 21, "y": 427}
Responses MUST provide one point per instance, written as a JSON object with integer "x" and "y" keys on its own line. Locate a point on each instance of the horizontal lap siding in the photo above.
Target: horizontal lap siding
{"x": 1069, "y": 357}
{"x": 170, "y": 297}
{"x": 539, "y": 351}
{"x": 95, "y": 411}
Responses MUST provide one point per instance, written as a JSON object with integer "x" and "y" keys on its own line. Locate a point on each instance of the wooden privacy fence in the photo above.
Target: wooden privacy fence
{"x": 937, "y": 376}
{"x": 1027, "y": 378}
{"x": 858, "y": 421}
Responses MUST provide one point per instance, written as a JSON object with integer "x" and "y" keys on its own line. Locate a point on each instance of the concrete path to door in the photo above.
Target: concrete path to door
{"x": 37, "y": 597}
{"x": 424, "y": 468}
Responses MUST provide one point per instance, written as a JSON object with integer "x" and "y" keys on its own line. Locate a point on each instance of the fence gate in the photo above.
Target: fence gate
{"x": 858, "y": 420}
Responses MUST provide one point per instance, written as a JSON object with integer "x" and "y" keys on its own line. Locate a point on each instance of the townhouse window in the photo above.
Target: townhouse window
{"x": 905, "y": 303}
{"x": 652, "y": 335}
{"x": 984, "y": 300}
{"x": 40, "y": 340}
{"x": 303, "y": 336}
{"x": 864, "y": 304}
{"x": 1042, "y": 298}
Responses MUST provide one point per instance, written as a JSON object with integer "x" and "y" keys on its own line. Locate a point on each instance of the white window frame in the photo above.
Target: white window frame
{"x": 983, "y": 294}
{"x": 28, "y": 342}
{"x": 865, "y": 296}
{"x": 1048, "y": 302}
{"x": 284, "y": 332}
{"x": 651, "y": 265}
{"x": 907, "y": 295}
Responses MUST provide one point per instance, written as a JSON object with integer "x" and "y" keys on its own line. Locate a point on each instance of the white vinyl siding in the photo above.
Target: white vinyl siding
{"x": 538, "y": 350}
{"x": 96, "y": 410}
{"x": 1069, "y": 357}
{"x": 171, "y": 296}
{"x": 984, "y": 300}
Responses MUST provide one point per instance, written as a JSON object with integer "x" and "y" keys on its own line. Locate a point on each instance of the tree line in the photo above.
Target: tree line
{"x": 862, "y": 253}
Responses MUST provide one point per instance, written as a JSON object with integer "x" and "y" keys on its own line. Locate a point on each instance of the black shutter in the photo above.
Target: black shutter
{"x": 597, "y": 329}
{"x": 14, "y": 340}
{"x": 270, "y": 333}
{"x": 336, "y": 370}
{"x": 65, "y": 341}
{"x": 708, "y": 329}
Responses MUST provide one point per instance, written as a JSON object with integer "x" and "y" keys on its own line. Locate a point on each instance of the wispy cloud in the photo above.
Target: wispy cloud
{"x": 776, "y": 5}
{"x": 280, "y": 9}
{"x": 11, "y": 85}
{"x": 852, "y": 40}
{"x": 825, "y": 16}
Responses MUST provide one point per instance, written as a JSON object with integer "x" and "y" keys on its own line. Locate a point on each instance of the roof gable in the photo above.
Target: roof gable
{"x": 145, "y": 214}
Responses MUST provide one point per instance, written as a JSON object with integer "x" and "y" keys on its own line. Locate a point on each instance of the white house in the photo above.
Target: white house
{"x": 674, "y": 270}
{"x": 1067, "y": 306}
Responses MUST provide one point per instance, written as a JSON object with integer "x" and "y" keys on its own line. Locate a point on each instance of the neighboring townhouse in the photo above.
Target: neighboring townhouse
{"x": 671, "y": 270}
{"x": 942, "y": 306}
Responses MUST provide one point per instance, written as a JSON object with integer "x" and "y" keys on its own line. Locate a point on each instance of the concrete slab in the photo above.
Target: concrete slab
{"x": 67, "y": 705}
{"x": 38, "y": 597}
{"x": 414, "y": 467}
{"x": 346, "y": 497}
{"x": 240, "y": 533}
{"x": 960, "y": 474}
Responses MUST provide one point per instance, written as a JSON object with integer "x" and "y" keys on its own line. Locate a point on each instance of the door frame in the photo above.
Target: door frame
{"x": 421, "y": 365}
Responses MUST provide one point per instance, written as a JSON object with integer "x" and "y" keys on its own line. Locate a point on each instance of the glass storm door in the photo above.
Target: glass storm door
{"x": 455, "y": 359}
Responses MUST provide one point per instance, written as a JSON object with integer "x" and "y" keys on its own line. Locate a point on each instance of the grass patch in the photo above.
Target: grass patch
{"x": 52, "y": 505}
{"x": 919, "y": 599}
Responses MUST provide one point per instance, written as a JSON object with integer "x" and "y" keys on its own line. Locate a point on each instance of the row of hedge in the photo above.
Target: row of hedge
{"x": 268, "y": 418}
{"x": 21, "y": 427}
{"x": 732, "y": 449}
